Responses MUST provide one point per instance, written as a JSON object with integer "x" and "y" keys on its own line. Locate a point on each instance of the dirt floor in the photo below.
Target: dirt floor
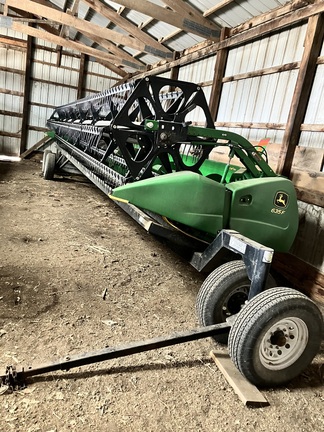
{"x": 77, "y": 274}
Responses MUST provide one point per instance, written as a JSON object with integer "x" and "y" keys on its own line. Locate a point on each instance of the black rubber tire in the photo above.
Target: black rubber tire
{"x": 223, "y": 294}
{"x": 275, "y": 336}
{"x": 44, "y": 158}
{"x": 49, "y": 166}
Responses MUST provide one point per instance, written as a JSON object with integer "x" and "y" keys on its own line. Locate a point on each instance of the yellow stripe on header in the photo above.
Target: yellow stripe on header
{"x": 118, "y": 199}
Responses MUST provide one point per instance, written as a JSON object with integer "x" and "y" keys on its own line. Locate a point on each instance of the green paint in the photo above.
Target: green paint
{"x": 252, "y": 200}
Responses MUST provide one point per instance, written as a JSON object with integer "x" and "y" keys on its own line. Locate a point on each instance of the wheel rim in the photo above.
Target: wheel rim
{"x": 283, "y": 343}
{"x": 234, "y": 301}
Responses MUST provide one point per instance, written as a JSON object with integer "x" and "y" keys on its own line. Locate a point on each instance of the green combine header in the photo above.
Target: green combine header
{"x": 139, "y": 144}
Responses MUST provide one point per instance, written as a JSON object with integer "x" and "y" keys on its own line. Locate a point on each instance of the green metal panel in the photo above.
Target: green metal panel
{"x": 185, "y": 197}
{"x": 265, "y": 210}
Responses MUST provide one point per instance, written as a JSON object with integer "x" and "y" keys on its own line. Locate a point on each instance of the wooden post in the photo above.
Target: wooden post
{"x": 27, "y": 88}
{"x": 82, "y": 74}
{"x": 307, "y": 70}
{"x": 174, "y": 73}
{"x": 221, "y": 60}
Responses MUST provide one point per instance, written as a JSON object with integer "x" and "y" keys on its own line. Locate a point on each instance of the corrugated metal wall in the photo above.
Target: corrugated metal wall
{"x": 51, "y": 86}
{"x": 315, "y": 112}
{"x": 200, "y": 72}
{"x": 98, "y": 78}
{"x": 266, "y": 98}
{"x": 11, "y": 100}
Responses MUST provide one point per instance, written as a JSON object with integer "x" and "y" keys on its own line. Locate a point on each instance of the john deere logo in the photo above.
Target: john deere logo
{"x": 281, "y": 199}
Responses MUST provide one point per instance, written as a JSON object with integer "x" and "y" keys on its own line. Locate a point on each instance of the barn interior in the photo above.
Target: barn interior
{"x": 84, "y": 269}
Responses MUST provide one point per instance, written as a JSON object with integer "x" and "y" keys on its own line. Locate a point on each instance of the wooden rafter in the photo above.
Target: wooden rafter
{"x": 78, "y": 24}
{"x": 180, "y": 6}
{"x": 129, "y": 60}
{"x": 183, "y": 20}
{"x": 40, "y": 22}
{"x": 122, "y": 56}
{"x": 69, "y": 44}
{"x": 73, "y": 11}
{"x": 217, "y": 7}
{"x": 109, "y": 46}
{"x": 116, "y": 18}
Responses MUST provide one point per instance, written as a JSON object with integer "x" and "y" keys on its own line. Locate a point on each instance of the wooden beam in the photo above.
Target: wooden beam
{"x": 11, "y": 92}
{"x": 274, "y": 126}
{"x": 174, "y": 73}
{"x": 309, "y": 186}
{"x": 11, "y": 113}
{"x": 112, "y": 48}
{"x": 112, "y": 15}
{"x": 51, "y": 82}
{"x": 251, "y": 26}
{"x": 121, "y": 56}
{"x": 181, "y": 20}
{"x": 247, "y": 392}
{"x": 64, "y": 31}
{"x": 12, "y": 70}
{"x": 262, "y": 72}
{"x": 198, "y": 17}
{"x": 82, "y": 74}
{"x": 250, "y": 125}
{"x": 27, "y": 90}
{"x": 220, "y": 65}
{"x": 301, "y": 275}
{"x": 67, "y": 44}
{"x": 309, "y": 159}
{"x": 30, "y": 20}
{"x": 280, "y": 11}
{"x": 10, "y": 134}
{"x": 73, "y": 12}
{"x": 38, "y": 128}
{"x": 13, "y": 42}
{"x": 312, "y": 127}
{"x": 303, "y": 87}
{"x": 44, "y": 26}
{"x": 81, "y": 25}
{"x": 109, "y": 46}
{"x": 217, "y": 7}
{"x": 101, "y": 41}
{"x": 39, "y": 104}
{"x": 45, "y": 141}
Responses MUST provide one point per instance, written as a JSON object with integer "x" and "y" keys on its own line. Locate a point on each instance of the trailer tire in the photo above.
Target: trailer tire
{"x": 223, "y": 293}
{"x": 45, "y": 153}
{"x": 275, "y": 336}
{"x": 49, "y": 165}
